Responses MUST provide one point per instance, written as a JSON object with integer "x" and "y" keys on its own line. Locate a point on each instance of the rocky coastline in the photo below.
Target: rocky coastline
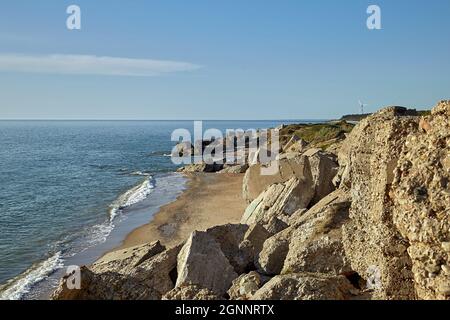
{"x": 353, "y": 213}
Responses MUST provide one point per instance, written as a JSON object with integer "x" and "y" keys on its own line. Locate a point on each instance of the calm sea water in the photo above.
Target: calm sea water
{"x": 71, "y": 190}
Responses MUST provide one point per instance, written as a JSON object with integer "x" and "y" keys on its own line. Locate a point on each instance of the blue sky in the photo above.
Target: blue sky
{"x": 233, "y": 59}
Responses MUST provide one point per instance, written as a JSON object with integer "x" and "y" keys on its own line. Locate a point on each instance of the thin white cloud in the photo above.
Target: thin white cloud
{"x": 91, "y": 65}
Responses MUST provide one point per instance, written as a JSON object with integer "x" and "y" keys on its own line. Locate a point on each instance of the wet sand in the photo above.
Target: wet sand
{"x": 209, "y": 200}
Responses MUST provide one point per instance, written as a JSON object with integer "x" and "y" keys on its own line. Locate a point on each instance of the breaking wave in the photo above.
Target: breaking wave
{"x": 131, "y": 197}
{"x": 20, "y": 285}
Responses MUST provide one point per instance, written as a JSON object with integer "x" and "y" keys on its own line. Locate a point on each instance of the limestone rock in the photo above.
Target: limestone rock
{"x": 324, "y": 168}
{"x": 276, "y": 224}
{"x": 421, "y": 202}
{"x": 316, "y": 242}
{"x": 295, "y": 145}
{"x": 150, "y": 280}
{"x": 256, "y": 180}
{"x": 257, "y": 235}
{"x": 234, "y": 169}
{"x": 278, "y": 200}
{"x": 229, "y": 237}
{"x": 201, "y": 262}
{"x": 371, "y": 241}
{"x": 201, "y": 167}
{"x": 306, "y": 286}
{"x": 191, "y": 292}
{"x": 271, "y": 258}
{"x": 123, "y": 261}
{"x": 244, "y": 287}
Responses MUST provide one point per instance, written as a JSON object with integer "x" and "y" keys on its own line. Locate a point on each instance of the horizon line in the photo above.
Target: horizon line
{"x": 27, "y": 119}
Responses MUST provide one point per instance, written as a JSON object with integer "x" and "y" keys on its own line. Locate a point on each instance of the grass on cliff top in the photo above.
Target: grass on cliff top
{"x": 316, "y": 134}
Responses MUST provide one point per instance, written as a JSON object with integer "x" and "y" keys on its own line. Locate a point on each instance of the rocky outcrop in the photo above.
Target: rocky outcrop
{"x": 234, "y": 169}
{"x": 324, "y": 167}
{"x": 150, "y": 280}
{"x": 201, "y": 262}
{"x": 256, "y": 181}
{"x": 245, "y": 287}
{"x": 316, "y": 244}
{"x": 229, "y": 238}
{"x": 281, "y": 199}
{"x": 306, "y": 286}
{"x": 377, "y": 227}
{"x": 371, "y": 239}
{"x": 201, "y": 167}
{"x": 420, "y": 198}
{"x": 295, "y": 145}
{"x": 123, "y": 261}
{"x": 271, "y": 258}
{"x": 191, "y": 292}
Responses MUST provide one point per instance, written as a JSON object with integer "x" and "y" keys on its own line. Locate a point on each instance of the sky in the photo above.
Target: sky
{"x": 234, "y": 59}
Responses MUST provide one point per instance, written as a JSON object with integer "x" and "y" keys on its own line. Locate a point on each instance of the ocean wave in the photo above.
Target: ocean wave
{"x": 140, "y": 173}
{"x": 131, "y": 197}
{"x": 17, "y": 287}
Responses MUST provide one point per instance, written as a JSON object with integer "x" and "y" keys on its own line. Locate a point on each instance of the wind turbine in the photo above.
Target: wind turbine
{"x": 362, "y": 105}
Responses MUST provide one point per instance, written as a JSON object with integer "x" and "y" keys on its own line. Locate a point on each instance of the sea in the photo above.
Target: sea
{"x": 72, "y": 190}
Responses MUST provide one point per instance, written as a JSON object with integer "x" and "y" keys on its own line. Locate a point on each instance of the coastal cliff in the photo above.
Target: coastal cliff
{"x": 361, "y": 213}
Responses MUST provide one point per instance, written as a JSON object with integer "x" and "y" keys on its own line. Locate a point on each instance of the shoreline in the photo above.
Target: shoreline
{"x": 218, "y": 200}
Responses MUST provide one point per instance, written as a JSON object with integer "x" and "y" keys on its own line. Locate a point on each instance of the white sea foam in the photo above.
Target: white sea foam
{"x": 131, "y": 197}
{"x": 17, "y": 287}
{"x": 140, "y": 173}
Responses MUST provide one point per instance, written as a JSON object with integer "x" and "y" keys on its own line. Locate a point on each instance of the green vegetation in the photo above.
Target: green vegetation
{"x": 321, "y": 135}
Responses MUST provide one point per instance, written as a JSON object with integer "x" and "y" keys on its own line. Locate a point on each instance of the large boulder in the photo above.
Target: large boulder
{"x": 256, "y": 180}
{"x": 201, "y": 262}
{"x": 229, "y": 237}
{"x": 245, "y": 286}
{"x": 234, "y": 169}
{"x": 150, "y": 280}
{"x": 271, "y": 258}
{"x": 280, "y": 199}
{"x": 123, "y": 261}
{"x": 190, "y": 293}
{"x": 421, "y": 202}
{"x": 316, "y": 243}
{"x": 306, "y": 286}
{"x": 371, "y": 240}
{"x": 324, "y": 167}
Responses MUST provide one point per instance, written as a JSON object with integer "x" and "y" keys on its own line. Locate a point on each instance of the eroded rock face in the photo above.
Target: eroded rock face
{"x": 281, "y": 199}
{"x": 324, "y": 168}
{"x": 316, "y": 242}
{"x": 421, "y": 202}
{"x": 201, "y": 262}
{"x": 306, "y": 286}
{"x": 245, "y": 286}
{"x": 229, "y": 237}
{"x": 191, "y": 292}
{"x": 234, "y": 169}
{"x": 371, "y": 240}
{"x": 255, "y": 182}
{"x": 271, "y": 258}
{"x": 150, "y": 280}
{"x": 123, "y": 261}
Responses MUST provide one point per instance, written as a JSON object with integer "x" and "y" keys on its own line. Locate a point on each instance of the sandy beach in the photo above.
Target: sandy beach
{"x": 209, "y": 200}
